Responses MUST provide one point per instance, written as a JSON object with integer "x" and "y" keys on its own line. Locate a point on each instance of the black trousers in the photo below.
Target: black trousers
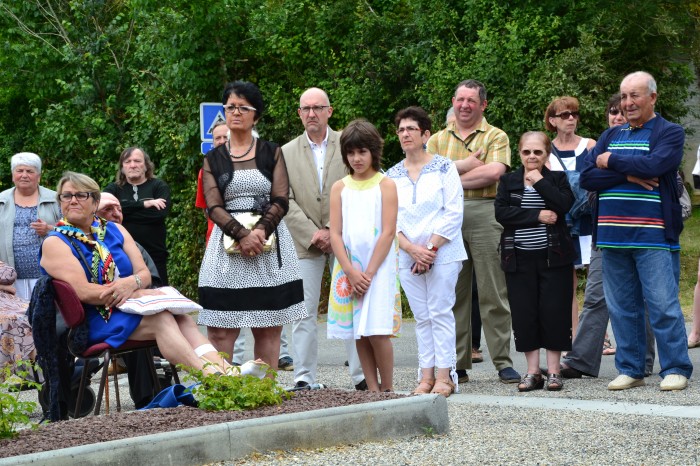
{"x": 540, "y": 302}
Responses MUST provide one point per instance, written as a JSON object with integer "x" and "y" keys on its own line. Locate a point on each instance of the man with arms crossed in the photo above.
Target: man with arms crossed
{"x": 314, "y": 163}
{"x": 637, "y": 226}
{"x": 482, "y": 154}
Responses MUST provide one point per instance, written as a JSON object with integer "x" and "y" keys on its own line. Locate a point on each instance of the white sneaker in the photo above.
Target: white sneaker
{"x": 673, "y": 382}
{"x": 623, "y": 382}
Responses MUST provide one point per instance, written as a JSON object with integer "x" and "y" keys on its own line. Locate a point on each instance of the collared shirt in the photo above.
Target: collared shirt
{"x": 493, "y": 141}
{"x": 433, "y": 204}
{"x": 319, "y": 151}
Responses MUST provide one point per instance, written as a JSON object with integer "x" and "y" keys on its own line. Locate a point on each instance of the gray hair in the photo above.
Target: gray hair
{"x": 651, "y": 82}
{"x": 29, "y": 159}
{"x": 450, "y": 113}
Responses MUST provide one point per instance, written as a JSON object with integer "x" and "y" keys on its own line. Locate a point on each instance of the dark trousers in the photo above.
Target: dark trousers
{"x": 540, "y": 302}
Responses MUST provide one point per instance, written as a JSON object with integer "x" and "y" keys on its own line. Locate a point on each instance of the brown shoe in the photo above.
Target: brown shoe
{"x": 477, "y": 356}
{"x": 424, "y": 387}
{"x": 443, "y": 387}
{"x": 531, "y": 382}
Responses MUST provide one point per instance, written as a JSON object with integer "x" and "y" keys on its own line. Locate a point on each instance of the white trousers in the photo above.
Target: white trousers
{"x": 305, "y": 331}
{"x": 432, "y": 296}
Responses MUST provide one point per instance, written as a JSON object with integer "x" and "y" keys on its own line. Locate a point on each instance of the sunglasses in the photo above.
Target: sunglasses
{"x": 566, "y": 115}
{"x": 614, "y": 111}
{"x": 537, "y": 152}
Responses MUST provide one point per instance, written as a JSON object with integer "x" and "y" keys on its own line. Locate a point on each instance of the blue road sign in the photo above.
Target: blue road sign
{"x": 206, "y": 147}
{"x": 209, "y": 114}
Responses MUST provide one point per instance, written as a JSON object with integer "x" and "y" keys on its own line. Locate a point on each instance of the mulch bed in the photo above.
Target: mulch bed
{"x": 115, "y": 426}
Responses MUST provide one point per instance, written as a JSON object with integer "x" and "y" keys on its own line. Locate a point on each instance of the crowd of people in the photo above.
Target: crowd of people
{"x": 449, "y": 217}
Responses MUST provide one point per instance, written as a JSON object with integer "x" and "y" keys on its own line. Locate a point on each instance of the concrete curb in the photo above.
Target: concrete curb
{"x": 405, "y": 417}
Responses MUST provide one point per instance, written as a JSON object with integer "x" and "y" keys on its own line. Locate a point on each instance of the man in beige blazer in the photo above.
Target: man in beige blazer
{"x": 314, "y": 163}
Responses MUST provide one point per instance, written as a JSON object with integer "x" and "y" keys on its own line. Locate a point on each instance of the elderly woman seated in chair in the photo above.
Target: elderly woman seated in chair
{"x": 102, "y": 263}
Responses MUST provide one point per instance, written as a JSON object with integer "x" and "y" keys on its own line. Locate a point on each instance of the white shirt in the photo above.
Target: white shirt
{"x": 434, "y": 204}
{"x": 319, "y": 152}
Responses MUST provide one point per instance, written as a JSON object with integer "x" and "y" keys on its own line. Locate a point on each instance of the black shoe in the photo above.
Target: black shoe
{"x": 570, "y": 373}
{"x": 285, "y": 364}
{"x": 509, "y": 375}
{"x": 301, "y": 384}
{"x": 362, "y": 386}
{"x": 462, "y": 376}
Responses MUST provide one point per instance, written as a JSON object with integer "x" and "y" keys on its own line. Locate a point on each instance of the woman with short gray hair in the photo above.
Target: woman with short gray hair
{"x": 27, "y": 213}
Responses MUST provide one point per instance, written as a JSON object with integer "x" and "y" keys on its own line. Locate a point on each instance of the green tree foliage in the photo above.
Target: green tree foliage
{"x": 82, "y": 79}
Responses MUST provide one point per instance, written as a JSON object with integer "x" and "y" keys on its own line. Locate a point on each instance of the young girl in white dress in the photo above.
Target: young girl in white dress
{"x": 365, "y": 303}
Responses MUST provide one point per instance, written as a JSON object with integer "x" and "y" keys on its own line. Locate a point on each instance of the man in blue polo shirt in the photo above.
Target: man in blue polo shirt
{"x": 638, "y": 224}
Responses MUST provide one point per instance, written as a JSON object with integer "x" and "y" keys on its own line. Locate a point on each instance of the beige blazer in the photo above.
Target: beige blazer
{"x": 309, "y": 206}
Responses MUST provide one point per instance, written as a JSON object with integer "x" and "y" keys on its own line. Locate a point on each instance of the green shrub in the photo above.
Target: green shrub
{"x": 13, "y": 411}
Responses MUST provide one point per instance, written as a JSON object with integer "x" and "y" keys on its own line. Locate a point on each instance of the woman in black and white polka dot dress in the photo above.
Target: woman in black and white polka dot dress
{"x": 254, "y": 288}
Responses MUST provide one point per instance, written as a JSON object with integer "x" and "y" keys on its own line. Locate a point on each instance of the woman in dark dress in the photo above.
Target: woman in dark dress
{"x": 145, "y": 202}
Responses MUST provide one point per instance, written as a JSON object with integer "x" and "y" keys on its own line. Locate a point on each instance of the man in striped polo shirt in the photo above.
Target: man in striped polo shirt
{"x": 638, "y": 223}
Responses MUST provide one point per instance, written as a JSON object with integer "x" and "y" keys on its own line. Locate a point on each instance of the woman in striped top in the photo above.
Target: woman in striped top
{"x": 537, "y": 255}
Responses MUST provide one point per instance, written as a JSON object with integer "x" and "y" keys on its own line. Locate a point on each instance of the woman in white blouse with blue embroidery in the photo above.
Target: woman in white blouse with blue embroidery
{"x": 431, "y": 252}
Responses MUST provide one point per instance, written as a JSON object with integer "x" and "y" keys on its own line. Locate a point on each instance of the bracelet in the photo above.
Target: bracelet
{"x": 138, "y": 281}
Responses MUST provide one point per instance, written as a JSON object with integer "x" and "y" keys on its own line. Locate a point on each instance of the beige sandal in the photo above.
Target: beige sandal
{"x": 446, "y": 390}
{"x": 424, "y": 387}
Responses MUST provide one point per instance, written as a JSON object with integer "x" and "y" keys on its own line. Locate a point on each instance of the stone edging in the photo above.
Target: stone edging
{"x": 404, "y": 417}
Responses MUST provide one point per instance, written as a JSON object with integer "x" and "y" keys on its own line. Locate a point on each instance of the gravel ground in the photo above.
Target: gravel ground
{"x": 502, "y": 434}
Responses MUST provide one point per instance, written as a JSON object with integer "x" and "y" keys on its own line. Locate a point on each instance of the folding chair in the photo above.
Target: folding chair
{"x": 73, "y": 313}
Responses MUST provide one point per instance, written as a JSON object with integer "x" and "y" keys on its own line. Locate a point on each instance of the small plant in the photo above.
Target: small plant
{"x": 13, "y": 411}
{"x": 216, "y": 392}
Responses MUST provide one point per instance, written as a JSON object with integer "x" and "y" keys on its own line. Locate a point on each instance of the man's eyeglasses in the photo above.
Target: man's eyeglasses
{"x": 614, "y": 111}
{"x": 407, "y": 128}
{"x": 316, "y": 108}
{"x": 242, "y": 109}
{"x": 566, "y": 115}
{"x": 537, "y": 152}
{"x": 81, "y": 196}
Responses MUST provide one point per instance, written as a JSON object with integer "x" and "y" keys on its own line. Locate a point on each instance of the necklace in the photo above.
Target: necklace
{"x": 228, "y": 144}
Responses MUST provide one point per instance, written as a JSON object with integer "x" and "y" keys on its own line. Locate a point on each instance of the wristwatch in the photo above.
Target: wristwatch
{"x": 431, "y": 246}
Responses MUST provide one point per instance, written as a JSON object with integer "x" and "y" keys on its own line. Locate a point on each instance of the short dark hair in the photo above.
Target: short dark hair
{"x": 558, "y": 105}
{"x": 361, "y": 134}
{"x": 614, "y": 102}
{"x": 473, "y": 84}
{"x": 248, "y": 91}
{"x": 126, "y": 153}
{"x": 417, "y": 114}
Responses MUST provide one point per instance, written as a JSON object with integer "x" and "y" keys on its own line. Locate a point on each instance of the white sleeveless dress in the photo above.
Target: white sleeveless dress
{"x": 378, "y": 312}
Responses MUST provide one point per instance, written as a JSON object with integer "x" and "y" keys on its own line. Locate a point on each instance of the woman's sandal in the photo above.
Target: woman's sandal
{"x": 424, "y": 387}
{"x": 531, "y": 382}
{"x": 554, "y": 383}
{"x": 608, "y": 349}
{"x": 447, "y": 388}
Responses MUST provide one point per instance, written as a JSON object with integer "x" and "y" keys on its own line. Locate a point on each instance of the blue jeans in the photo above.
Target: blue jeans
{"x": 631, "y": 278}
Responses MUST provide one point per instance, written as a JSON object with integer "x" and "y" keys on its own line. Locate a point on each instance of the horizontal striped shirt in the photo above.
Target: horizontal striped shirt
{"x": 534, "y": 238}
{"x": 630, "y": 216}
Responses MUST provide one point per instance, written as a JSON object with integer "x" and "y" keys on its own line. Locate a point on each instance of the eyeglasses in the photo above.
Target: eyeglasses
{"x": 81, "y": 196}
{"x": 316, "y": 108}
{"x": 242, "y": 109}
{"x": 537, "y": 152}
{"x": 566, "y": 115}
{"x": 407, "y": 129}
{"x": 614, "y": 111}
